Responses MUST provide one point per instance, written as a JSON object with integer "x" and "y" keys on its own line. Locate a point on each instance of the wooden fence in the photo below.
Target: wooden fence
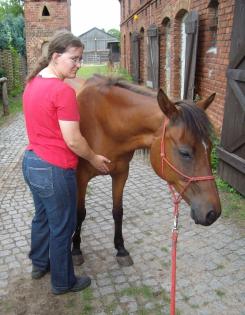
{"x": 15, "y": 68}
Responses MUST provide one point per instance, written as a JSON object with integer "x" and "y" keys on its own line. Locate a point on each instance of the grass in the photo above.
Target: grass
{"x": 87, "y": 298}
{"x": 7, "y": 306}
{"x": 15, "y": 105}
{"x": 143, "y": 291}
{"x": 111, "y": 308}
{"x": 144, "y": 295}
{"x": 220, "y": 293}
{"x": 165, "y": 249}
{"x": 220, "y": 266}
{"x": 86, "y": 71}
{"x": 233, "y": 203}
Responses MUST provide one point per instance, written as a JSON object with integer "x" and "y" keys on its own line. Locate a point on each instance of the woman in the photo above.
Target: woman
{"x": 50, "y": 160}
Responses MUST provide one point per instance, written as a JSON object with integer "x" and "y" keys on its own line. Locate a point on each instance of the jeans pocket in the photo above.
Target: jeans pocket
{"x": 41, "y": 181}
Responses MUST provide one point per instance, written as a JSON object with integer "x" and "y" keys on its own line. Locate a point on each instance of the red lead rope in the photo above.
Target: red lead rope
{"x": 176, "y": 201}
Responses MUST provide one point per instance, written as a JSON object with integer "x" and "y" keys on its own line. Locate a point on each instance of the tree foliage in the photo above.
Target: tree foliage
{"x": 115, "y": 33}
{"x": 14, "y": 7}
{"x": 12, "y": 25}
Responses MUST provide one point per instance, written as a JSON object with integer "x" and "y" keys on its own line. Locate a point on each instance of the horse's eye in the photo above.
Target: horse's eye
{"x": 185, "y": 154}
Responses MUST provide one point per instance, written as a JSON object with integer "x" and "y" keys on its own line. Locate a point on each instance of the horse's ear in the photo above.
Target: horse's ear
{"x": 205, "y": 103}
{"x": 166, "y": 105}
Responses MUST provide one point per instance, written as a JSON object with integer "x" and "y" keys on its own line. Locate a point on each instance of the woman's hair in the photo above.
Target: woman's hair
{"x": 59, "y": 43}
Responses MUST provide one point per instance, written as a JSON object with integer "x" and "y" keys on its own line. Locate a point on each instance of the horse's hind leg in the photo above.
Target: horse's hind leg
{"x": 118, "y": 183}
{"x": 77, "y": 255}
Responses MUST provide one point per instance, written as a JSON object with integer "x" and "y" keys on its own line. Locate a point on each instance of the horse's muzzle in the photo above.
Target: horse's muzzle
{"x": 205, "y": 220}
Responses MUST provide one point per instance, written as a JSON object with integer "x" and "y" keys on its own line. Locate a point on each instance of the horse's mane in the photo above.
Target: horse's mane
{"x": 109, "y": 81}
{"x": 195, "y": 119}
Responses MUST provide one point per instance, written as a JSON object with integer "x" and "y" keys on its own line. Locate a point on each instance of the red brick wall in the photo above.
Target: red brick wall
{"x": 211, "y": 66}
{"x": 40, "y": 28}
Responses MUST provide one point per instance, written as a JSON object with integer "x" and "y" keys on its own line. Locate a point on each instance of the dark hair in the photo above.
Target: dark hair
{"x": 59, "y": 43}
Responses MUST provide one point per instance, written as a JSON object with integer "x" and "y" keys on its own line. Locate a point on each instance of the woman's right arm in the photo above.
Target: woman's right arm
{"x": 78, "y": 144}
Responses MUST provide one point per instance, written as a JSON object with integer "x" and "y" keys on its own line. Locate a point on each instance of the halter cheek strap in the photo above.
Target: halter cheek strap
{"x": 176, "y": 201}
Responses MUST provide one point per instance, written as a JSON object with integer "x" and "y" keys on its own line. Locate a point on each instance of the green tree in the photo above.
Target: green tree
{"x": 12, "y": 25}
{"x": 15, "y": 7}
{"x": 115, "y": 33}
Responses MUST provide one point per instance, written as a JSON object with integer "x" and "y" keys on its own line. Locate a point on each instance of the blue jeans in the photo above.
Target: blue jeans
{"x": 54, "y": 192}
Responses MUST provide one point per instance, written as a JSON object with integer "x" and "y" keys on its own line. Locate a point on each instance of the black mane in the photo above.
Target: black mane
{"x": 194, "y": 118}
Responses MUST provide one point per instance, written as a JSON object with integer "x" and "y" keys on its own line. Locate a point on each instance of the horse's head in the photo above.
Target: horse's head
{"x": 181, "y": 155}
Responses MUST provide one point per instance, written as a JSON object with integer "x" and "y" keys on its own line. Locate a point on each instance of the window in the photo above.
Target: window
{"x": 213, "y": 24}
{"x": 45, "y": 11}
{"x": 167, "y": 56}
{"x": 182, "y": 55}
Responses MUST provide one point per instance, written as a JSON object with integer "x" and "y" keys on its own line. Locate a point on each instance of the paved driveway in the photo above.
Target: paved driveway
{"x": 210, "y": 273}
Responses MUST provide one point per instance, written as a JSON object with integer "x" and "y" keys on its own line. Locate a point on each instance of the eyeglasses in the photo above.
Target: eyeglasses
{"x": 76, "y": 60}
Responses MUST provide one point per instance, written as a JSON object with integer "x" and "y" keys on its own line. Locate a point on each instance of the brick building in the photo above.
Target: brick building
{"x": 144, "y": 20}
{"x": 42, "y": 19}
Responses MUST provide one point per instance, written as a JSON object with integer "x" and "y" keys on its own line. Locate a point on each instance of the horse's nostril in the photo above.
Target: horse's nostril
{"x": 211, "y": 217}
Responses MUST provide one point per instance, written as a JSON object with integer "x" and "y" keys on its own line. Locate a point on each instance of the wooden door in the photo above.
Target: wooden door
{"x": 153, "y": 57}
{"x": 135, "y": 57}
{"x": 191, "y": 30}
{"x": 232, "y": 148}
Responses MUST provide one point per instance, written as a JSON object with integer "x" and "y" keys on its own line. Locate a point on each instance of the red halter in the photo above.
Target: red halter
{"x": 176, "y": 201}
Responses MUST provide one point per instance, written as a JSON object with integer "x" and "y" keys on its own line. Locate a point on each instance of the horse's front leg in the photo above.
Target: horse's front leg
{"x": 118, "y": 183}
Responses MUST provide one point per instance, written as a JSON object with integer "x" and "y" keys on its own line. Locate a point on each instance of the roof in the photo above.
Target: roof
{"x": 95, "y": 29}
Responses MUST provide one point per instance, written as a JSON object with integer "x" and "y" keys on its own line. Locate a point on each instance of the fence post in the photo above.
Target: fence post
{"x": 3, "y": 81}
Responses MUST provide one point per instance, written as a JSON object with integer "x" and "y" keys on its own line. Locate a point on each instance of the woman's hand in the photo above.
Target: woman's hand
{"x": 100, "y": 163}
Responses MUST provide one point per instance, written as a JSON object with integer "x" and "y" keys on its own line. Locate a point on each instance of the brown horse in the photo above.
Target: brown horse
{"x": 118, "y": 118}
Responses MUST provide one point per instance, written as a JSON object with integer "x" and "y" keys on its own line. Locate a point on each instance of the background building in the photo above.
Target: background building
{"x": 99, "y": 46}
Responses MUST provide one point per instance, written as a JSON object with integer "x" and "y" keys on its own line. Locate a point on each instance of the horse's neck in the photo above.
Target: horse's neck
{"x": 150, "y": 119}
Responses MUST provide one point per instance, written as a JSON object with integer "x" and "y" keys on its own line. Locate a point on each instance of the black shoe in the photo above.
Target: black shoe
{"x": 38, "y": 273}
{"x": 81, "y": 283}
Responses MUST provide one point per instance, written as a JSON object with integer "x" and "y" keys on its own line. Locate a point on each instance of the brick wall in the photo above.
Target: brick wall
{"x": 211, "y": 63}
{"x": 40, "y": 28}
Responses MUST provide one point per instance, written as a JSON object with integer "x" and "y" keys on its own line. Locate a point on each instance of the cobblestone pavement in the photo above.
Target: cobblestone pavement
{"x": 210, "y": 262}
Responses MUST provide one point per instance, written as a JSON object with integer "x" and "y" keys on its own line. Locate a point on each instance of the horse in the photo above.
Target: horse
{"x": 118, "y": 118}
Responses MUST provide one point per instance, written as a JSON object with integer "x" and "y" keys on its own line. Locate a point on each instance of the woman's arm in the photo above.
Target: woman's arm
{"x": 78, "y": 144}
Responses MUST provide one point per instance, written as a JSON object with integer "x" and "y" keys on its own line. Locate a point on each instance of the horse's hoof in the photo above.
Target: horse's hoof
{"x": 77, "y": 260}
{"x": 125, "y": 261}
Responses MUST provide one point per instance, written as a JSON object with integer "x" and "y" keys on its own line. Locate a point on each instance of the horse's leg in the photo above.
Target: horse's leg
{"x": 82, "y": 183}
{"x": 118, "y": 183}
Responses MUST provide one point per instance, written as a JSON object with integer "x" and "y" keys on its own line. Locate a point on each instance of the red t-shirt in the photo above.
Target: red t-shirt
{"x": 45, "y": 101}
